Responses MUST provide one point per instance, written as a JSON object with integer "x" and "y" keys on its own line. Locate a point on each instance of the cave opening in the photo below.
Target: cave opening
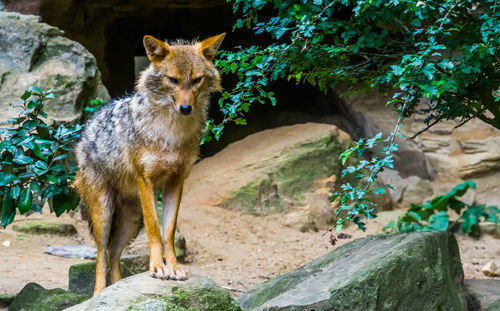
{"x": 113, "y": 32}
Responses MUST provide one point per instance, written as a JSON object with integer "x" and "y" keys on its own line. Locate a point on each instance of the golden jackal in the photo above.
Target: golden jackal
{"x": 135, "y": 146}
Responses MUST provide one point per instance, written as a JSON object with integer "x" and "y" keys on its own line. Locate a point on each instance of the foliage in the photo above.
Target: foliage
{"x": 95, "y": 105}
{"x": 437, "y": 58}
{"x": 32, "y": 168}
{"x": 433, "y": 215}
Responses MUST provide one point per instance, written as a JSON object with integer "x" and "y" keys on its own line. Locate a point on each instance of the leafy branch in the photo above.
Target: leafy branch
{"x": 33, "y": 155}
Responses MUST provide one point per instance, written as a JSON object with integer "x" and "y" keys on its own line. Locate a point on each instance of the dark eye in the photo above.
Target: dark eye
{"x": 196, "y": 81}
{"x": 173, "y": 80}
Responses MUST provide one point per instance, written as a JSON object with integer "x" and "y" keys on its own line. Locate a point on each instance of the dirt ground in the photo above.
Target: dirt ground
{"x": 235, "y": 250}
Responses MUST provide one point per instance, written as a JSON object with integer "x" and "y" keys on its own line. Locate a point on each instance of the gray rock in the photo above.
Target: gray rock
{"x": 34, "y": 53}
{"x": 393, "y": 178}
{"x": 142, "y": 292}
{"x": 72, "y": 251}
{"x": 409, "y": 271}
{"x": 485, "y": 294}
{"x": 34, "y": 297}
{"x": 417, "y": 191}
{"x": 82, "y": 276}
{"x": 41, "y": 227}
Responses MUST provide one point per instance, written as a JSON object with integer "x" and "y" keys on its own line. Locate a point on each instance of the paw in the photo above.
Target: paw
{"x": 158, "y": 270}
{"x": 176, "y": 273}
{"x": 167, "y": 272}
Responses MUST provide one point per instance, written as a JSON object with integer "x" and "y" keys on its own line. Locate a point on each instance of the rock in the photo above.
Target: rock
{"x": 72, "y": 251}
{"x": 276, "y": 171}
{"x": 405, "y": 271}
{"x": 142, "y": 292}
{"x": 399, "y": 184}
{"x": 34, "y": 53}
{"x": 490, "y": 269}
{"x": 40, "y": 227}
{"x": 485, "y": 293}
{"x": 368, "y": 115}
{"x": 35, "y": 297}
{"x": 479, "y": 157}
{"x": 180, "y": 246}
{"x": 6, "y": 300}
{"x": 417, "y": 191}
{"x": 82, "y": 276}
{"x": 7, "y": 243}
{"x": 300, "y": 220}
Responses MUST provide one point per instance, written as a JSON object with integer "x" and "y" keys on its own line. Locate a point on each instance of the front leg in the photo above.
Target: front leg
{"x": 172, "y": 192}
{"x": 148, "y": 202}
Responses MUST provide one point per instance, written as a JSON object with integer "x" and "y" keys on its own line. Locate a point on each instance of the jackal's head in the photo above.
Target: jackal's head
{"x": 181, "y": 75}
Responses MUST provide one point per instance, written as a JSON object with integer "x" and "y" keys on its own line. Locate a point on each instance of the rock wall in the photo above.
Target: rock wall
{"x": 436, "y": 160}
{"x": 37, "y": 54}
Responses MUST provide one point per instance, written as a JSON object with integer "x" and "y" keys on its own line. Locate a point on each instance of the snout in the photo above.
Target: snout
{"x": 185, "y": 109}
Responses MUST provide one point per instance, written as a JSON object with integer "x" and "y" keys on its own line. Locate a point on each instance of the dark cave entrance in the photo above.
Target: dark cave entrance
{"x": 113, "y": 32}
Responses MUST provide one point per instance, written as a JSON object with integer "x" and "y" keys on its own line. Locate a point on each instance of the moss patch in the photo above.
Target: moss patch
{"x": 199, "y": 299}
{"x": 286, "y": 180}
{"x": 40, "y": 227}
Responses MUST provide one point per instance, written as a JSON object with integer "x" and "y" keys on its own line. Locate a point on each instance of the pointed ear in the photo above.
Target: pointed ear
{"x": 156, "y": 49}
{"x": 209, "y": 46}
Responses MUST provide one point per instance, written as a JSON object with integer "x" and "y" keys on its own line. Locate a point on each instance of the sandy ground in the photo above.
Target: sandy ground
{"x": 234, "y": 249}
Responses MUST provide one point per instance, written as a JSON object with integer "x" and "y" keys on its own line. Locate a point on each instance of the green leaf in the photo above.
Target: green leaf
{"x": 35, "y": 89}
{"x": 61, "y": 203}
{"x": 22, "y": 159}
{"x": 26, "y": 95}
{"x": 6, "y": 178}
{"x": 14, "y": 192}
{"x": 439, "y": 221}
{"x": 8, "y": 209}
{"x": 25, "y": 200}
{"x": 53, "y": 179}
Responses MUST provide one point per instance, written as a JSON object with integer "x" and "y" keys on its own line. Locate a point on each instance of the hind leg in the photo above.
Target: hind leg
{"x": 100, "y": 210}
{"x": 126, "y": 223}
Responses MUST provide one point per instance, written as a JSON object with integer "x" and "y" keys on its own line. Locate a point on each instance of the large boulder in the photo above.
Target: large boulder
{"x": 34, "y": 297}
{"x": 288, "y": 170}
{"x": 34, "y": 53}
{"x": 142, "y": 292}
{"x": 406, "y": 271}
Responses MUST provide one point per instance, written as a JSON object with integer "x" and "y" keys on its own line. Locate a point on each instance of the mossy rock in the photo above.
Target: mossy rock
{"x": 142, "y": 292}
{"x": 34, "y": 297}
{"x": 41, "y": 227}
{"x": 286, "y": 176}
{"x": 405, "y": 271}
{"x": 483, "y": 294}
{"x": 6, "y": 300}
{"x": 82, "y": 275}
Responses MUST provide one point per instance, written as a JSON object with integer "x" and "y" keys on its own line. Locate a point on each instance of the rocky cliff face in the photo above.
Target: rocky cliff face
{"x": 437, "y": 159}
{"x": 36, "y": 54}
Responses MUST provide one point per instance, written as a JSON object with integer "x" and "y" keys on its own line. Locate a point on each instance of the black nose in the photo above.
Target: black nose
{"x": 185, "y": 109}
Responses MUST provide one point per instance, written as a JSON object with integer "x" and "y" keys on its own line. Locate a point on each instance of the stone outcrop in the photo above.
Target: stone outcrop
{"x": 410, "y": 271}
{"x": 35, "y": 297}
{"x": 442, "y": 157}
{"x": 289, "y": 170}
{"x": 142, "y": 292}
{"x": 37, "y": 54}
